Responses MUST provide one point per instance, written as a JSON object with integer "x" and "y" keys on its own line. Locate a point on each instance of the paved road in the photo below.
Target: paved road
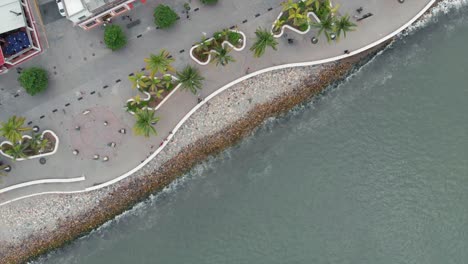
{"x": 85, "y": 75}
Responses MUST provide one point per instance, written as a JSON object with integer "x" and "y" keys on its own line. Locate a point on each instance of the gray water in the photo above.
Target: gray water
{"x": 374, "y": 171}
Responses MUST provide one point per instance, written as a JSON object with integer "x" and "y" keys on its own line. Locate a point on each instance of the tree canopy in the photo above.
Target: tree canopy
{"x": 34, "y": 80}
{"x": 145, "y": 120}
{"x": 190, "y": 79}
{"x": 264, "y": 39}
{"x": 114, "y": 37}
{"x": 164, "y": 16}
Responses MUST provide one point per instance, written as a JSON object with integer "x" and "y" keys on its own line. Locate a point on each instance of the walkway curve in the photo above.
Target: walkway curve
{"x": 222, "y": 89}
{"x": 29, "y": 183}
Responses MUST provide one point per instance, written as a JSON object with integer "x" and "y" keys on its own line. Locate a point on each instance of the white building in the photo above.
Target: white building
{"x": 90, "y": 13}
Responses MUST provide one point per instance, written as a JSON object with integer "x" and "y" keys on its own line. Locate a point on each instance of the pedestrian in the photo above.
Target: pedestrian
{"x": 247, "y": 70}
{"x": 346, "y": 51}
{"x": 359, "y": 10}
{"x": 199, "y": 99}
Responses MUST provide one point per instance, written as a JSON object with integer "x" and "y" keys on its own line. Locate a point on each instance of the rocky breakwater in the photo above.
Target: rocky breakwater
{"x": 34, "y": 226}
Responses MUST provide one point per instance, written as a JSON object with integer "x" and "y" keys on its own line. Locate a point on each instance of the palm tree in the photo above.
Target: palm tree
{"x": 344, "y": 25}
{"x": 157, "y": 93}
{"x": 159, "y": 63}
{"x": 264, "y": 39}
{"x": 139, "y": 80}
{"x": 203, "y": 48}
{"x": 288, "y": 5}
{"x": 13, "y": 128}
{"x": 325, "y": 9}
{"x": 153, "y": 84}
{"x": 17, "y": 151}
{"x": 298, "y": 16}
{"x": 204, "y": 45}
{"x": 221, "y": 56}
{"x": 37, "y": 144}
{"x": 326, "y": 26}
{"x": 145, "y": 120}
{"x": 167, "y": 83}
{"x": 136, "y": 100}
{"x": 190, "y": 79}
{"x": 278, "y": 24}
{"x": 311, "y": 5}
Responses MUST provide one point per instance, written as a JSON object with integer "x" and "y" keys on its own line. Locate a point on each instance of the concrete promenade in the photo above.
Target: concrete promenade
{"x": 87, "y": 76}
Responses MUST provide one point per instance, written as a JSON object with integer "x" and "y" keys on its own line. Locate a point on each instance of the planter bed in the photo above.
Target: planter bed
{"x": 304, "y": 27}
{"x": 50, "y": 148}
{"x": 289, "y": 25}
{"x": 149, "y": 101}
{"x": 201, "y": 53}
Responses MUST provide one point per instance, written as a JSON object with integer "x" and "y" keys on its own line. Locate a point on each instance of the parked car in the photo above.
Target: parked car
{"x": 61, "y": 8}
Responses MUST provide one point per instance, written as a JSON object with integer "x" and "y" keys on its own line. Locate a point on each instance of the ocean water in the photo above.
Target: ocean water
{"x": 373, "y": 171}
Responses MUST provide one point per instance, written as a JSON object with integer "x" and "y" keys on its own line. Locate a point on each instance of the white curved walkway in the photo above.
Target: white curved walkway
{"x": 389, "y": 19}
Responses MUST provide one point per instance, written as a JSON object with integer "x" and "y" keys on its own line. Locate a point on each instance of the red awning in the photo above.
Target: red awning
{"x": 2, "y": 59}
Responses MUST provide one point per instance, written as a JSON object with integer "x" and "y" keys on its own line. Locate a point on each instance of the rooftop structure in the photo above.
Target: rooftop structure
{"x": 11, "y": 15}
{"x": 91, "y": 13}
{"x": 19, "y": 40}
{"x": 73, "y": 7}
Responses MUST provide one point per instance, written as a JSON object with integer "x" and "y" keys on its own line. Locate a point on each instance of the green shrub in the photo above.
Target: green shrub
{"x": 34, "y": 80}
{"x": 218, "y": 35}
{"x": 209, "y": 2}
{"x": 234, "y": 37}
{"x": 303, "y": 27}
{"x": 164, "y": 16}
{"x": 114, "y": 37}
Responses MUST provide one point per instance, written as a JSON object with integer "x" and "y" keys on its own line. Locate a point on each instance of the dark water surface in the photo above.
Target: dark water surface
{"x": 375, "y": 171}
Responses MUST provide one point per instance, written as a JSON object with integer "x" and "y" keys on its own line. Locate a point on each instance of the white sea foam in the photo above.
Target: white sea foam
{"x": 442, "y": 8}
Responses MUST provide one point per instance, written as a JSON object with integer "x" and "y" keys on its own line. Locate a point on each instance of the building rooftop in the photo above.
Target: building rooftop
{"x": 73, "y": 6}
{"x": 11, "y": 15}
{"x": 95, "y": 4}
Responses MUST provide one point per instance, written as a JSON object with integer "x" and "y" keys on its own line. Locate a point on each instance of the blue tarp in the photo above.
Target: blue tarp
{"x": 15, "y": 43}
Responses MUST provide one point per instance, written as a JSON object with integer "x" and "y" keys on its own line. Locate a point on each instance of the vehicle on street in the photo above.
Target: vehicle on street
{"x": 61, "y": 8}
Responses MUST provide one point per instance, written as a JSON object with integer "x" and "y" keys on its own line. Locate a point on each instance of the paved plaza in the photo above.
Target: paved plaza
{"x": 86, "y": 76}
